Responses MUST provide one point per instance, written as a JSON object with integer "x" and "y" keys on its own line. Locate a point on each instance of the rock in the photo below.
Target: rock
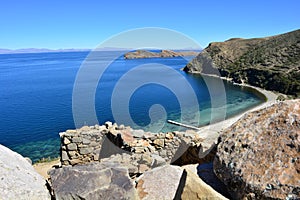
{"x": 163, "y": 153}
{"x": 159, "y": 142}
{"x": 139, "y": 150}
{"x": 160, "y": 183}
{"x": 72, "y": 147}
{"x": 86, "y": 141}
{"x": 143, "y": 168}
{"x": 127, "y": 136}
{"x": 71, "y": 131}
{"x": 18, "y": 179}
{"x": 66, "y": 141}
{"x": 84, "y": 129}
{"x": 108, "y": 124}
{"x": 77, "y": 139}
{"x": 158, "y": 161}
{"x": 136, "y": 163}
{"x": 130, "y": 161}
{"x": 195, "y": 188}
{"x": 121, "y": 127}
{"x": 169, "y": 135}
{"x": 151, "y": 148}
{"x": 64, "y": 156}
{"x": 144, "y": 143}
{"x": 146, "y": 159}
{"x": 84, "y": 151}
{"x": 258, "y": 157}
{"x": 75, "y": 161}
{"x": 104, "y": 180}
{"x": 137, "y": 133}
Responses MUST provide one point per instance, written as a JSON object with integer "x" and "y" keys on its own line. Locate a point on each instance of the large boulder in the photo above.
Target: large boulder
{"x": 163, "y": 182}
{"x": 106, "y": 180}
{"x": 196, "y": 188}
{"x": 259, "y": 156}
{"x": 174, "y": 182}
{"x": 18, "y": 179}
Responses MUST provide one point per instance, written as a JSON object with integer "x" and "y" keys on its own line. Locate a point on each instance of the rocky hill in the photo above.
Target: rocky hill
{"x": 163, "y": 54}
{"x": 272, "y": 63}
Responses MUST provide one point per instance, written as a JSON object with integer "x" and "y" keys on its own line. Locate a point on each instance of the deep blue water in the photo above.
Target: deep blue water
{"x": 36, "y": 97}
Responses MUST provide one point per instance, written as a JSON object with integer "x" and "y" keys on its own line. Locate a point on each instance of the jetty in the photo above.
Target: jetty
{"x": 183, "y": 125}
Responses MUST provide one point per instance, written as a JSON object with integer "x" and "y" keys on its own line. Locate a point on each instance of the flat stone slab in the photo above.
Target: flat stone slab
{"x": 92, "y": 181}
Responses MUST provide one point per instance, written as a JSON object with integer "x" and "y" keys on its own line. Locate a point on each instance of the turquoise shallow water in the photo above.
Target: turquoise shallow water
{"x": 36, "y": 97}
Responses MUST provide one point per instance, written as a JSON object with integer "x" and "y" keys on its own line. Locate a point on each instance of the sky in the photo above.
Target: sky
{"x": 56, "y": 24}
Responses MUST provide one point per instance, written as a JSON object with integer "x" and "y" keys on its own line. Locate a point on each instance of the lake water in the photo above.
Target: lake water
{"x": 36, "y": 97}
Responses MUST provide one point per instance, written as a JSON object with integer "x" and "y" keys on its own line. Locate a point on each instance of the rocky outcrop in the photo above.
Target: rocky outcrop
{"x": 106, "y": 180}
{"x": 259, "y": 156}
{"x": 163, "y": 54}
{"x": 179, "y": 183}
{"x": 272, "y": 63}
{"x": 18, "y": 179}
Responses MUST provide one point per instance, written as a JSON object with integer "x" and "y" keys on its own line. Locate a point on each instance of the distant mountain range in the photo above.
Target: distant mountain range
{"x": 36, "y": 50}
{"x": 44, "y": 50}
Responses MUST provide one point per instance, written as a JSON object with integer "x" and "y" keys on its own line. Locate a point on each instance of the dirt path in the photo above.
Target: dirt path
{"x": 42, "y": 168}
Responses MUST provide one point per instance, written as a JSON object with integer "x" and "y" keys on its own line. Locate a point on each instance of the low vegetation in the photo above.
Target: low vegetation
{"x": 272, "y": 63}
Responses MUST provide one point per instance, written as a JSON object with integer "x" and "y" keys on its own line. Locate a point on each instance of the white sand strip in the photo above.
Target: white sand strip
{"x": 211, "y": 132}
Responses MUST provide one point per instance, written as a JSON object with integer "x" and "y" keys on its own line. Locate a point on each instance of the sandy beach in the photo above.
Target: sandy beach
{"x": 211, "y": 132}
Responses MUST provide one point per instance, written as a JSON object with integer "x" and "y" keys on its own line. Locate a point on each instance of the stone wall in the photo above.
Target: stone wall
{"x": 94, "y": 143}
{"x": 81, "y": 145}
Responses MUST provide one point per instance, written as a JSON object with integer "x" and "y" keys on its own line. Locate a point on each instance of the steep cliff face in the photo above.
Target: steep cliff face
{"x": 272, "y": 63}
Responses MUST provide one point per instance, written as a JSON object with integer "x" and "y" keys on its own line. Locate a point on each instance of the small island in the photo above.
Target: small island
{"x": 162, "y": 54}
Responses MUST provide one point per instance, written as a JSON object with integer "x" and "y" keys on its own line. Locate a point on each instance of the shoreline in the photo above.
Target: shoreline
{"x": 211, "y": 132}
{"x": 269, "y": 95}
{"x": 208, "y": 133}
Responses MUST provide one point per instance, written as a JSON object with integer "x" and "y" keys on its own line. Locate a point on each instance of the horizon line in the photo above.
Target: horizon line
{"x": 48, "y": 50}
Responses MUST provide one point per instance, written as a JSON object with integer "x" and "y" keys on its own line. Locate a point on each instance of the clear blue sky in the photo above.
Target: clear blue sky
{"x": 84, "y": 24}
